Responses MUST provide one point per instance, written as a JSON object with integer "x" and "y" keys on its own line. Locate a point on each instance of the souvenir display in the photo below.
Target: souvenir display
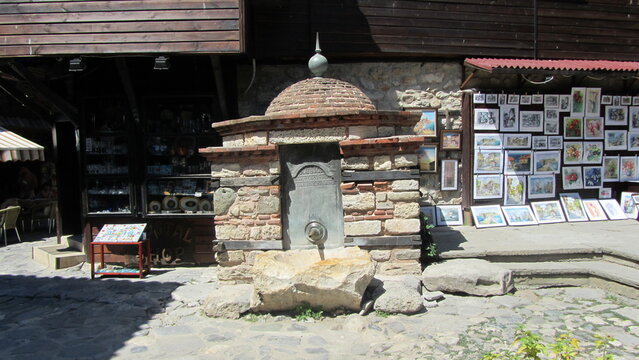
{"x": 612, "y": 209}
{"x": 514, "y": 190}
{"x": 449, "y": 215}
{"x": 594, "y": 210}
{"x": 548, "y": 212}
{"x": 488, "y": 216}
{"x": 573, "y": 207}
{"x": 519, "y": 215}
{"x": 541, "y": 186}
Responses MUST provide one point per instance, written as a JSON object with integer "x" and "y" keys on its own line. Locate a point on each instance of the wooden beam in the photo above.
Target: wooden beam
{"x": 125, "y": 78}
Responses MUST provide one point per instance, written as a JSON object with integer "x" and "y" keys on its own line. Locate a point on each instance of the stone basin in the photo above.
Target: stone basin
{"x": 331, "y": 279}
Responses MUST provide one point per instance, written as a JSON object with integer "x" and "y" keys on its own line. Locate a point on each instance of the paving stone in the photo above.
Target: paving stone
{"x": 630, "y": 313}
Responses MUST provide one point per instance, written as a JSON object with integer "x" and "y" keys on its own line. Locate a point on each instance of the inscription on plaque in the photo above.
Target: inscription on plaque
{"x": 312, "y": 213}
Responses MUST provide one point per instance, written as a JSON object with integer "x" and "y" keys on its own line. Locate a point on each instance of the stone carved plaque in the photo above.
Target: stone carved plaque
{"x": 311, "y": 175}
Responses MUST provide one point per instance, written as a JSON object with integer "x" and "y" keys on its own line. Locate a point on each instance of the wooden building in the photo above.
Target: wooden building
{"x": 156, "y": 119}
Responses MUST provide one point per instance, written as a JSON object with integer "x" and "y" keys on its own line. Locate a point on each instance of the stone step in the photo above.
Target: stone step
{"x": 600, "y": 273}
{"x": 57, "y": 256}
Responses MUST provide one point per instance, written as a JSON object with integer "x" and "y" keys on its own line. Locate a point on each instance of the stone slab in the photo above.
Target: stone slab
{"x": 380, "y": 175}
{"x": 370, "y": 241}
{"x": 257, "y": 245}
{"x": 250, "y": 181}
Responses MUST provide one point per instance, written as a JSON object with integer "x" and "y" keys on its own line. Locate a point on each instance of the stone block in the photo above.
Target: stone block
{"x": 380, "y": 255}
{"x": 233, "y": 141}
{"x": 402, "y": 226}
{"x": 469, "y": 276}
{"x": 238, "y": 274}
{"x": 381, "y": 196}
{"x": 363, "y": 228}
{"x": 382, "y": 162}
{"x": 404, "y": 196}
{"x": 256, "y": 138}
{"x": 232, "y": 232}
{"x": 406, "y": 210}
{"x": 405, "y": 185}
{"x": 255, "y": 170}
{"x": 406, "y": 254}
{"x": 229, "y": 258}
{"x": 386, "y": 131}
{"x": 229, "y": 301}
{"x": 247, "y": 207}
{"x": 405, "y": 160}
{"x": 268, "y": 205}
{"x": 355, "y": 163}
{"x": 274, "y": 168}
{"x": 255, "y": 233}
{"x": 359, "y": 202}
{"x": 225, "y": 170}
{"x": 399, "y": 300}
{"x": 396, "y": 268}
{"x": 271, "y": 232}
{"x": 250, "y": 256}
{"x": 362, "y": 132}
{"x": 305, "y": 136}
{"x": 385, "y": 205}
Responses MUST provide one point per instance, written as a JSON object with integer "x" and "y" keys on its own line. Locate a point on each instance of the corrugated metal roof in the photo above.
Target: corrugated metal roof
{"x": 14, "y": 147}
{"x": 562, "y": 65}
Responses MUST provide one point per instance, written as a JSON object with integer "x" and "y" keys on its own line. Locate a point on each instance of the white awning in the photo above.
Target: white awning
{"x": 16, "y": 148}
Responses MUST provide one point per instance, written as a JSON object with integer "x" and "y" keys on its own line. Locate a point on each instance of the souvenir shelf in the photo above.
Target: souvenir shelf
{"x": 121, "y": 235}
{"x": 177, "y": 179}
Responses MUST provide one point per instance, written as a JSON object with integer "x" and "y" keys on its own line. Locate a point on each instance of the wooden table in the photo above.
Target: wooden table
{"x": 144, "y": 258}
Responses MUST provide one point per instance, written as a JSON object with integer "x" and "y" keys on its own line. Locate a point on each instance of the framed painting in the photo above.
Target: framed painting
{"x": 626, "y": 100}
{"x": 488, "y": 216}
{"x": 628, "y": 205}
{"x": 573, "y": 152}
{"x": 488, "y": 161}
{"x": 548, "y": 212}
{"x": 616, "y": 100}
{"x": 633, "y": 140}
{"x": 615, "y": 139}
{"x": 616, "y": 115}
{"x": 491, "y": 98}
{"x": 564, "y": 103}
{"x": 593, "y": 177}
{"x": 487, "y": 186}
{"x": 519, "y": 215}
{"x": 428, "y": 212}
{"x": 488, "y": 141}
{"x": 610, "y": 168}
{"x": 514, "y": 190}
{"x": 593, "y": 101}
{"x": 525, "y": 100}
{"x": 513, "y": 99}
{"x": 541, "y": 186}
{"x": 593, "y": 152}
{"x": 573, "y": 207}
{"x": 633, "y": 117}
{"x": 594, "y": 210}
{"x": 518, "y": 162}
{"x": 508, "y": 118}
{"x": 635, "y": 100}
{"x": 427, "y": 124}
{"x": 517, "y": 141}
{"x": 605, "y": 193}
{"x": 551, "y": 122}
{"x": 537, "y": 99}
{"x": 540, "y": 142}
{"x": 449, "y": 174}
{"x": 546, "y": 162}
{"x": 627, "y": 168}
{"x": 612, "y": 209}
{"x": 573, "y": 128}
{"x": 555, "y": 142}
{"x": 593, "y": 128}
{"x": 502, "y": 99}
{"x": 551, "y": 101}
{"x": 577, "y": 102}
{"x": 479, "y": 98}
{"x": 486, "y": 119}
{"x": 532, "y": 121}
{"x": 427, "y": 158}
{"x": 606, "y": 99}
{"x": 449, "y": 215}
{"x": 572, "y": 177}
{"x": 450, "y": 139}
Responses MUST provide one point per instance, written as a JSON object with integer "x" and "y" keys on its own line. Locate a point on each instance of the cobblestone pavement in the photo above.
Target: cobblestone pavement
{"x": 64, "y": 315}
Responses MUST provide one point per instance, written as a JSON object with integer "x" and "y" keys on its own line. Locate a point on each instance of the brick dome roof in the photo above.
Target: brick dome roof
{"x": 319, "y": 95}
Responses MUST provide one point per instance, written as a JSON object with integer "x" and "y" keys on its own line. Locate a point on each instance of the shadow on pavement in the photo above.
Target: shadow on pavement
{"x": 73, "y": 318}
{"x": 447, "y": 238}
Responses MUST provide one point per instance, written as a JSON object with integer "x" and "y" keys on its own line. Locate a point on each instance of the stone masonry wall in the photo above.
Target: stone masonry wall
{"x": 248, "y": 213}
{"x": 391, "y": 86}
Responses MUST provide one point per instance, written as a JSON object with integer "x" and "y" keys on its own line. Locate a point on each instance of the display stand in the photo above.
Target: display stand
{"x": 121, "y": 235}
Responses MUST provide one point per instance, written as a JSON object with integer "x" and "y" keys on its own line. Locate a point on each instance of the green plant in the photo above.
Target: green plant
{"x": 602, "y": 344}
{"x": 430, "y": 253}
{"x": 565, "y": 347}
{"x": 304, "y": 312}
{"x": 383, "y": 314}
{"x": 504, "y": 355}
{"x": 251, "y": 317}
{"x": 530, "y": 344}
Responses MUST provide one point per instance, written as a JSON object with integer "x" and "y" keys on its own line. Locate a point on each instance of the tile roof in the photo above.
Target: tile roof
{"x": 561, "y": 65}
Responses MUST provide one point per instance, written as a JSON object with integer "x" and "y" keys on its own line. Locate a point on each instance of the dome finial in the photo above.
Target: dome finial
{"x": 318, "y": 63}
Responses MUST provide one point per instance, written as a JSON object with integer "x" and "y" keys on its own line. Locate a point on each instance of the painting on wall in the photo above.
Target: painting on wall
{"x": 514, "y": 190}
{"x": 532, "y": 121}
{"x": 592, "y": 152}
{"x": 487, "y": 186}
{"x": 486, "y": 119}
{"x": 593, "y": 101}
{"x": 555, "y": 142}
{"x": 572, "y": 177}
{"x": 615, "y": 139}
{"x": 616, "y": 115}
{"x": 541, "y": 186}
{"x": 427, "y": 157}
{"x": 540, "y": 142}
{"x": 508, "y": 118}
{"x": 518, "y": 162}
{"x": 593, "y": 177}
{"x": 551, "y": 122}
{"x": 488, "y": 141}
{"x": 573, "y": 152}
{"x": 551, "y": 101}
{"x": 573, "y": 128}
{"x": 546, "y": 162}
{"x": 633, "y": 141}
{"x": 449, "y": 174}
{"x": 577, "y": 102}
{"x": 517, "y": 141}
{"x": 633, "y": 116}
{"x": 593, "y": 128}
{"x": 450, "y": 139}
{"x": 627, "y": 168}
{"x": 427, "y": 125}
{"x": 564, "y": 103}
{"x": 488, "y": 161}
{"x": 611, "y": 168}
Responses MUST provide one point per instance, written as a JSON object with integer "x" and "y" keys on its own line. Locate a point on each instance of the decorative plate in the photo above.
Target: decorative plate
{"x": 205, "y": 205}
{"x": 155, "y": 206}
{"x": 188, "y": 204}
{"x": 170, "y": 203}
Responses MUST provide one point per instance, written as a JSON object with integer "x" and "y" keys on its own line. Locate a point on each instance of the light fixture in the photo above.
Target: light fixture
{"x": 162, "y": 63}
{"x": 77, "y": 64}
